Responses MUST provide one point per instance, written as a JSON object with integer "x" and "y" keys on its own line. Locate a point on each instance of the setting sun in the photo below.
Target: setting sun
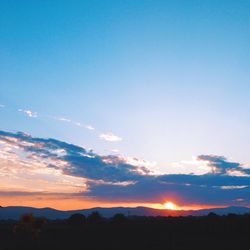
{"x": 170, "y": 205}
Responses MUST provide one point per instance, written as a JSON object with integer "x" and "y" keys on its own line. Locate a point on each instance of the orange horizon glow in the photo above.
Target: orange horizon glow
{"x": 72, "y": 203}
{"x": 29, "y": 180}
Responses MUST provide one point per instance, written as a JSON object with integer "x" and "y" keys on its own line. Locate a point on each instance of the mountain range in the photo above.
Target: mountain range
{"x": 14, "y": 212}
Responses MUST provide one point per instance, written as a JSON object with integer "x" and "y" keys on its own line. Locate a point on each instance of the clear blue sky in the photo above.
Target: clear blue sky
{"x": 171, "y": 78}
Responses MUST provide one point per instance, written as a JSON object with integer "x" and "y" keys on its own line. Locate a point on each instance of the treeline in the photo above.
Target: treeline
{"x": 127, "y": 232}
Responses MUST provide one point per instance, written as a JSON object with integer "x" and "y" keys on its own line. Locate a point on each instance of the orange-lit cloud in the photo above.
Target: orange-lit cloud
{"x": 49, "y": 170}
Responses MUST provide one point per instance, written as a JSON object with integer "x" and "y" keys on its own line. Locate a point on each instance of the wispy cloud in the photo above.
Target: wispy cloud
{"x": 78, "y": 124}
{"x": 29, "y": 113}
{"x": 33, "y": 114}
{"x": 62, "y": 119}
{"x": 110, "y": 137}
{"x": 116, "y": 151}
{"x": 89, "y": 127}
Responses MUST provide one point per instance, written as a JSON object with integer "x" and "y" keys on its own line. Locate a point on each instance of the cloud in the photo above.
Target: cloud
{"x": 110, "y": 137}
{"x": 78, "y": 124}
{"x": 137, "y": 162}
{"x": 29, "y": 113}
{"x": 233, "y": 187}
{"x": 89, "y": 127}
{"x": 30, "y": 164}
{"x": 63, "y": 119}
{"x": 116, "y": 151}
{"x": 74, "y": 160}
{"x": 183, "y": 189}
{"x": 220, "y": 165}
{"x": 2, "y": 106}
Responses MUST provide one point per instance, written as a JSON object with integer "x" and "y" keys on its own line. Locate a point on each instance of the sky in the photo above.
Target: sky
{"x": 144, "y": 101}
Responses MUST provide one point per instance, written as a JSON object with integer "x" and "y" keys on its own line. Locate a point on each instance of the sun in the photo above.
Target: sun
{"x": 170, "y": 205}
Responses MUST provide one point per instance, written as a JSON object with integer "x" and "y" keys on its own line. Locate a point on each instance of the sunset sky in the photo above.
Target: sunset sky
{"x": 125, "y": 103}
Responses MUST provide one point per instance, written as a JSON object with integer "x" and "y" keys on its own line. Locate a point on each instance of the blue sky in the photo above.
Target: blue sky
{"x": 171, "y": 78}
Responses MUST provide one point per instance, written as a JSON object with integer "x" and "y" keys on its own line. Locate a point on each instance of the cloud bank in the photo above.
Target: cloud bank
{"x": 28, "y": 163}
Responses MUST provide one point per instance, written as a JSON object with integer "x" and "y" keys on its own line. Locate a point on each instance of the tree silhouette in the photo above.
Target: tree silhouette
{"x": 77, "y": 219}
{"x": 119, "y": 218}
{"x": 95, "y": 218}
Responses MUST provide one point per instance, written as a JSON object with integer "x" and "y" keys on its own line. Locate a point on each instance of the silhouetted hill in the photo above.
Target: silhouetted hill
{"x": 14, "y": 212}
{"x": 223, "y": 211}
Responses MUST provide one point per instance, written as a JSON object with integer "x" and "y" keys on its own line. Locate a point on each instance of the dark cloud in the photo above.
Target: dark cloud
{"x": 220, "y": 165}
{"x": 80, "y": 162}
{"x": 112, "y": 178}
{"x": 184, "y": 189}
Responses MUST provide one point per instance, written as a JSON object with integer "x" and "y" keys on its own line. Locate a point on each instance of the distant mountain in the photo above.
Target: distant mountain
{"x": 222, "y": 211}
{"x": 16, "y": 212}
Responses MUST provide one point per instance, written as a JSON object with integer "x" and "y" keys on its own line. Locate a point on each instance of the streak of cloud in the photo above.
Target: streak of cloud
{"x": 63, "y": 119}
{"x": 89, "y": 127}
{"x": 78, "y": 124}
{"x": 29, "y": 113}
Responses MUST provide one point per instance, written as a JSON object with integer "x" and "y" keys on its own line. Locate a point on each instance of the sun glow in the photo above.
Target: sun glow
{"x": 170, "y": 205}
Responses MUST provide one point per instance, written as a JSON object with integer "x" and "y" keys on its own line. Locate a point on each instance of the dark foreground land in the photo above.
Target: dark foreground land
{"x": 92, "y": 233}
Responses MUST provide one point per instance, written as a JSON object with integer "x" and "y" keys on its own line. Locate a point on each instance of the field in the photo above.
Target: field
{"x": 118, "y": 233}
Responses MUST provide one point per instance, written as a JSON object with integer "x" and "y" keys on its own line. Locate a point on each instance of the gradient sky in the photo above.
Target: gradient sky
{"x": 165, "y": 82}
